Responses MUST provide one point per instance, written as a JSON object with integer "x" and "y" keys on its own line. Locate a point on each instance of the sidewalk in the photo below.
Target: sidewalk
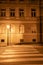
{"x": 37, "y": 46}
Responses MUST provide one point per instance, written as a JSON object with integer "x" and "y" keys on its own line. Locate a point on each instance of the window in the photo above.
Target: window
{"x": 3, "y": 1}
{"x": 12, "y": 12}
{"x": 34, "y": 40}
{"x": 21, "y": 12}
{"x": 32, "y": 1}
{"x": 2, "y": 40}
{"x": 3, "y": 12}
{"x": 21, "y": 40}
{"x": 33, "y": 12}
{"x": 34, "y": 28}
{"x": 12, "y": 1}
{"x": 21, "y": 0}
{"x": 21, "y": 28}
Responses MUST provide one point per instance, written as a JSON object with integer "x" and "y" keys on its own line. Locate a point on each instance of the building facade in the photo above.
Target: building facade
{"x": 21, "y": 21}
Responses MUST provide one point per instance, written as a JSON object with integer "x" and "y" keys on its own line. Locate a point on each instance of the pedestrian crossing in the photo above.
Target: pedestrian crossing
{"x": 27, "y": 55}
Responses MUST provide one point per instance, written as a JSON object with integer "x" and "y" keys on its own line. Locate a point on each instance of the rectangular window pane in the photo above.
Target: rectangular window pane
{"x": 3, "y": 12}
{"x": 33, "y": 9}
{"x": 21, "y": 0}
{"x": 21, "y": 12}
{"x": 33, "y": 12}
{"x": 12, "y": 12}
{"x": 32, "y": 1}
{"x": 3, "y": 1}
{"x": 12, "y": 1}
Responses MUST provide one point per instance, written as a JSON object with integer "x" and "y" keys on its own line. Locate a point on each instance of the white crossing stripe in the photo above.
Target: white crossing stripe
{"x": 21, "y": 55}
{"x": 19, "y": 52}
{"x": 21, "y": 59}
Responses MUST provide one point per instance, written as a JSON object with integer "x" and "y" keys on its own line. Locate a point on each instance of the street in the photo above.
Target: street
{"x": 21, "y": 55}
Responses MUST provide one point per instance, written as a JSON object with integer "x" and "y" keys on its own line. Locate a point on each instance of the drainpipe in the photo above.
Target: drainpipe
{"x": 40, "y": 24}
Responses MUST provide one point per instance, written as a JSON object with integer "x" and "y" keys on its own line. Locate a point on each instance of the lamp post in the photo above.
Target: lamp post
{"x": 8, "y": 28}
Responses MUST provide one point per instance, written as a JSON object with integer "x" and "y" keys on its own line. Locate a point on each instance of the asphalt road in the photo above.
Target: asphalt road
{"x": 21, "y": 55}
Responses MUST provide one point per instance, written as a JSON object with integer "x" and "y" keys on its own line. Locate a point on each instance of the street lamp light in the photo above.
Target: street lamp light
{"x": 8, "y": 28}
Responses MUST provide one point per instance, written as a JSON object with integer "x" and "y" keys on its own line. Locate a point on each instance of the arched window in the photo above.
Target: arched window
{"x": 21, "y": 28}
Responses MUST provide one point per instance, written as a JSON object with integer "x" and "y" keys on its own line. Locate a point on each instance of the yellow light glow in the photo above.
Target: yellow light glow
{"x": 8, "y": 26}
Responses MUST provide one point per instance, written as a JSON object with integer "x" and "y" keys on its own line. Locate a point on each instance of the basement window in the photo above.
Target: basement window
{"x": 21, "y": 40}
{"x": 2, "y": 40}
{"x": 34, "y": 40}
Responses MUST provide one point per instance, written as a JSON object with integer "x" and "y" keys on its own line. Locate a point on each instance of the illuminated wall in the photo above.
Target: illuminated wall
{"x": 22, "y": 29}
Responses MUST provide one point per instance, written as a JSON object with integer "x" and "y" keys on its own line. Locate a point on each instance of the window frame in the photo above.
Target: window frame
{"x": 3, "y": 12}
{"x": 21, "y": 12}
{"x": 12, "y": 1}
{"x": 12, "y": 12}
{"x": 3, "y": 1}
{"x": 21, "y": 0}
{"x": 33, "y": 12}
